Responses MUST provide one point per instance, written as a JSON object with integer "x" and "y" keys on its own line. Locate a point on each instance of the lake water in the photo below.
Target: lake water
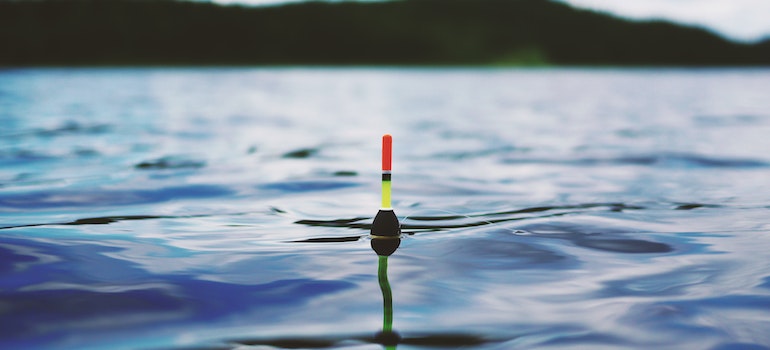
{"x": 224, "y": 208}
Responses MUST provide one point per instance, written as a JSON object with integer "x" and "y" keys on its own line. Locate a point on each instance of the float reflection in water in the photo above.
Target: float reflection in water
{"x": 384, "y": 247}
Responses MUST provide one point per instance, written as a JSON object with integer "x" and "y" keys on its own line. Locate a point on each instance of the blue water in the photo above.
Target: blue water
{"x": 224, "y": 208}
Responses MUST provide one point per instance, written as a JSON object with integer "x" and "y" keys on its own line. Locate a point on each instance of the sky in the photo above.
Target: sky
{"x": 742, "y": 20}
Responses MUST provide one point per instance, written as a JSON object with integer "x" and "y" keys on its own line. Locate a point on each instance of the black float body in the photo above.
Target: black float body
{"x": 386, "y": 232}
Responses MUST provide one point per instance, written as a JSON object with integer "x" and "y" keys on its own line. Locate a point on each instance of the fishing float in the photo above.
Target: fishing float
{"x": 386, "y": 230}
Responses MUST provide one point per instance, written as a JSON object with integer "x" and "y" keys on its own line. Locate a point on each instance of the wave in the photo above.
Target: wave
{"x": 672, "y": 160}
{"x": 431, "y": 340}
{"x": 65, "y": 129}
{"x": 99, "y": 198}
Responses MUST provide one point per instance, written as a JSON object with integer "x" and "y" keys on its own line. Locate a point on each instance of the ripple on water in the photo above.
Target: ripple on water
{"x": 98, "y": 198}
{"x": 431, "y": 340}
{"x": 15, "y": 157}
{"x": 302, "y": 153}
{"x": 624, "y": 245}
{"x": 306, "y": 186}
{"x": 675, "y": 282}
{"x": 67, "y": 128}
{"x": 667, "y": 160}
{"x": 171, "y": 162}
{"x": 497, "y": 251}
{"x": 604, "y": 238}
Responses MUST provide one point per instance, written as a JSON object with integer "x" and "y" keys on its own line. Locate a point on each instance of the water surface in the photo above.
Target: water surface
{"x": 164, "y": 208}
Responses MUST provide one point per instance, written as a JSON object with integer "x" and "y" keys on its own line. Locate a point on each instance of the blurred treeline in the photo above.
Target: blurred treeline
{"x": 531, "y": 32}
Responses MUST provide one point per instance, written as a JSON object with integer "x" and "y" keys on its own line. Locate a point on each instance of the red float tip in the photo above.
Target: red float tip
{"x": 387, "y": 152}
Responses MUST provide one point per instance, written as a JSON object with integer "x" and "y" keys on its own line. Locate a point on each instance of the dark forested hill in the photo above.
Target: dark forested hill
{"x": 81, "y": 32}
